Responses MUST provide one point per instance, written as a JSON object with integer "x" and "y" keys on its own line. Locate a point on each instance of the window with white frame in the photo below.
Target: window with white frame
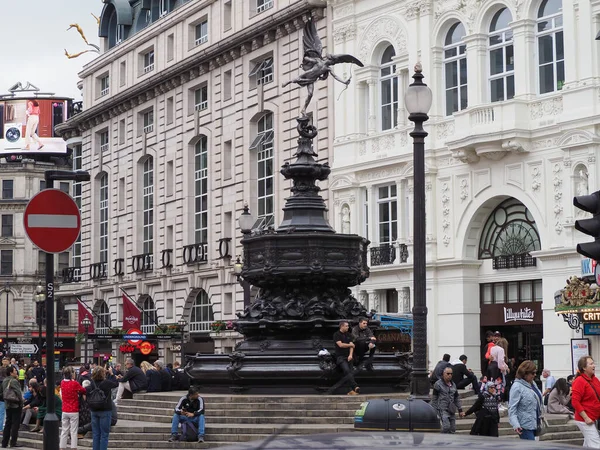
{"x": 388, "y": 83}
{"x": 455, "y": 69}
{"x": 501, "y": 51}
{"x": 103, "y": 140}
{"x": 263, "y": 144}
{"x": 551, "y": 51}
{"x": 201, "y": 98}
{"x": 103, "y": 322}
{"x": 201, "y": 315}
{"x": 103, "y": 214}
{"x": 77, "y": 165}
{"x": 104, "y": 85}
{"x": 201, "y": 190}
{"x": 387, "y": 208}
{"x": 262, "y": 71}
{"x": 148, "y": 121}
{"x": 263, "y": 5}
{"x": 148, "y": 206}
{"x": 149, "y": 316}
{"x": 201, "y": 31}
{"x": 148, "y": 61}
{"x": 6, "y": 262}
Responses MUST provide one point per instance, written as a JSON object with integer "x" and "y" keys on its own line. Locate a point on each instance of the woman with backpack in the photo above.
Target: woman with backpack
{"x": 70, "y": 391}
{"x": 99, "y": 400}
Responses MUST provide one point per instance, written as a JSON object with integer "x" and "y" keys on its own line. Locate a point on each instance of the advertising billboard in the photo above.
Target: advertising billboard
{"x": 27, "y": 125}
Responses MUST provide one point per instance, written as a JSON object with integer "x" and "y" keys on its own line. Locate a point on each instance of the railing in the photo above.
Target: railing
{"x": 76, "y": 108}
{"x": 104, "y": 148}
{"x": 201, "y": 40}
{"x": 118, "y": 266}
{"x": 482, "y": 116}
{"x": 199, "y": 326}
{"x": 264, "y": 6}
{"x": 383, "y": 254}
{"x": 166, "y": 258}
{"x": 195, "y": 253}
{"x": 71, "y": 275}
{"x": 148, "y": 128}
{"x": 102, "y": 330}
{"x": 148, "y": 329}
{"x": 104, "y": 92}
{"x": 98, "y": 271}
{"x": 201, "y": 106}
{"x": 513, "y": 261}
{"x": 142, "y": 263}
{"x": 149, "y": 68}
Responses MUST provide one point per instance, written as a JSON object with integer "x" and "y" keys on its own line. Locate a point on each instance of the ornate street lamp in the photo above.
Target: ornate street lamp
{"x": 418, "y": 100}
{"x": 86, "y": 322}
{"x": 182, "y": 324}
{"x": 246, "y": 220}
{"x": 40, "y": 298}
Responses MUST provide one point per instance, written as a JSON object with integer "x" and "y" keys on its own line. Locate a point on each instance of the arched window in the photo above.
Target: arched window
{"x": 455, "y": 69}
{"x": 510, "y": 234}
{"x": 148, "y": 207}
{"x": 388, "y": 83}
{"x": 201, "y": 191}
{"x": 149, "y": 317}
{"x": 551, "y": 52}
{"x": 202, "y": 313}
{"x": 502, "y": 69}
{"x": 103, "y": 215}
{"x": 103, "y": 321}
{"x": 263, "y": 144}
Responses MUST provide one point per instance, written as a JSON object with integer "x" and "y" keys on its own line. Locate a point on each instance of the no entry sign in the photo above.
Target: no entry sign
{"x": 52, "y": 221}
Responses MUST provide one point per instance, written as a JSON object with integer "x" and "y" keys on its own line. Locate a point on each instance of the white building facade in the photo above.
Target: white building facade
{"x": 513, "y": 136}
{"x": 184, "y": 122}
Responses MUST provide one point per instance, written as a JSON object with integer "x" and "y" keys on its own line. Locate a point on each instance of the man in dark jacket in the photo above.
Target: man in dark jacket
{"x": 134, "y": 380}
{"x": 38, "y": 372}
{"x": 189, "y": 408}
{"x": 364, "y": 342}
{"x": 439, "y": 368}
{"x": 165, "y": 375}
{"x": 462, "y": 376}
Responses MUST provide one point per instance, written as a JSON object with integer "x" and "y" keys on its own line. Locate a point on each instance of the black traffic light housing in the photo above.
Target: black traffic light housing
{"x": 591, "y": 227}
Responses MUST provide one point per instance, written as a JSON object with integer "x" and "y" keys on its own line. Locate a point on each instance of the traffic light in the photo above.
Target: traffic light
{"x": 591, "y": 227}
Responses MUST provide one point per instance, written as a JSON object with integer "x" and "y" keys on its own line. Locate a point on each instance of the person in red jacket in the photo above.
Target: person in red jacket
{"x": 70, "y": 391}
{"x": 585, "y": 398}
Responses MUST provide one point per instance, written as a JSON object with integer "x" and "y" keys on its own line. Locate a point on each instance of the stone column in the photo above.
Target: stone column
{"x": 375, "y": 300}
{"x": 526, "y": 60}
{"x": 363, "y": 298}
{"x": 372, "y": 121}
{"x": 404, "y": 300}
{"x": 477, "y": 69}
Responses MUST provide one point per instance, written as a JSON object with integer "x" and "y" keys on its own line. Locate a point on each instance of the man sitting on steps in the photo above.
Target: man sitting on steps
{"x": 364, "y": 342}
{"x": 189, "y": 408}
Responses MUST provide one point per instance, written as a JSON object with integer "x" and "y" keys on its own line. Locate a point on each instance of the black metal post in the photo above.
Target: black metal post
{"x": 39, "y": 307}
{"x": 85, "y": 352}
{"x": 181, "y": 349}
{"x": 420, "y": 383}
{"x": 51, "y": 420}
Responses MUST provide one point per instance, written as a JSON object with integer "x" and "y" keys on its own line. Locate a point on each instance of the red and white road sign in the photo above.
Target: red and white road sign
{"x": 133, "y": 331}
{"x": 52, "y": 220}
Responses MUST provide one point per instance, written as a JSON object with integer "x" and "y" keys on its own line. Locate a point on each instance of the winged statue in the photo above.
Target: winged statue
{"x": 315, "y": 66}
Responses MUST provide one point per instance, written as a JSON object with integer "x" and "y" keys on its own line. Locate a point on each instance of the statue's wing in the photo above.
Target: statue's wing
{"x": 336, "y": 59}
{"x": 312, "y": 43}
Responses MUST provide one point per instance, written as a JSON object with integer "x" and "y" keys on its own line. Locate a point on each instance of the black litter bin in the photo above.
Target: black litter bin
{"x": 396, "y": 415}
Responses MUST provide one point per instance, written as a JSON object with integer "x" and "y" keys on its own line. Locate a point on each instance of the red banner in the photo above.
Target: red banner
{"x": 83, "y": 312}
{"x": 132, "y": 315}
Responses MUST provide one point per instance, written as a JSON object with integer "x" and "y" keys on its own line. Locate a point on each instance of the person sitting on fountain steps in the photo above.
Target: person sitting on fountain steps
{"x": 189, "y": 411}
{"x": 344, "y": 350}
{"x": 364, "y": 342}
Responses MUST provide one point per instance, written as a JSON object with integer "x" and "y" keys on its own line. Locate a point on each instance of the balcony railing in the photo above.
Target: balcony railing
{"x": 195, "y": 253}
{"x": 142, "y": 263}
{"x": 71, "y": 275}
{"x": 383, "y": 254}
{"x": 148, "y": 329}
{"x": 98, "y": 271}
{"x": 76, "y": 108}
{"x": 166, "y": 258}
{"x": 196, "y": 327}
{"x": 513, "y": 261}
{"x": 119, "y": 266}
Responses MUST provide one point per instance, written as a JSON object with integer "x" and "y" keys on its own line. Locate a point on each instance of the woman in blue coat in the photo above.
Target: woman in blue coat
{"x": 525, "y": 405}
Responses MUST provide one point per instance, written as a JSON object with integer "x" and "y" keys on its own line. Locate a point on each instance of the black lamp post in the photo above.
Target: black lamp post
{"x": 7, "y": 290}
{"x": 418, "y": 100}
{"x": 40, "y": 298}
{"x": 86, "y": 322}
{"x": 182, "y": 324}
{"x": 246, "y": 221}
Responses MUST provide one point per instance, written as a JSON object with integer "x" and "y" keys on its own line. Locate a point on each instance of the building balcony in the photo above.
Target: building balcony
{"x": 142, "y": 263}
{"x": 98, "y": 271}
{"x": 195, "y": 253}
{"x": 386, "y": 254}
{"x": 71, "y": 275}
{"x": 199, "y": 327}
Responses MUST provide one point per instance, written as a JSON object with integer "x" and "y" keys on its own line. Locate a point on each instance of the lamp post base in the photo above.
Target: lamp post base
{"x": 419, "y": 388}
{"x": 51, "y": 434}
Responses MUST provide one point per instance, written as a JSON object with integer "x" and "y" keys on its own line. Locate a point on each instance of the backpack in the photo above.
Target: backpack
{"x": 189, "y": 432}
{"x": 96, "y": 398}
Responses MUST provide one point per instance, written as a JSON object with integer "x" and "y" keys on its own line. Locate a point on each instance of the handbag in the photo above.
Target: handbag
{"x": 542, "y": 426}
{"x": 10, "y": 395}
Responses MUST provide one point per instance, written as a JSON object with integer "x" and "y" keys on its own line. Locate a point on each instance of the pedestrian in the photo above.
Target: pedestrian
{"x": 446, "y": 401}
{"x": 189, "y": 408}
{"x": 2, "y": 406}
{"x": 486, "y": 412}
{"x": 559, "y": 398}
{"x": 38, "y": 372}
{"x": 549, "y": 382}
{"x": 525, "y": 406}
{"x": 13, "y": 399}
{"x": 152, "y": 377}
{"x": 22, "y": 376}
{"x": 133, "y": 381}
{"x": 364, "y": 340}
{"x": 30, "y": 405}
{"x": 43, "y": 408}
{"x": 485, "y": 353}
{"x": 463, "y": 376}
{"x": 585, "y": 398}
{"x": 437, "y": 372}
{"x": 180, "y": 380}
{"x": 165, "y": 375}
{"x": 344, "y": 349}
{"x": 70, "y": 390}
{"x": 101, "y": 415}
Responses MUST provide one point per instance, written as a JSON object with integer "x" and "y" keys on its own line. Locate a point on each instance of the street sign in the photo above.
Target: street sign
{"x": 136, "y": 332}
{"x": 52, "y": 221}
{"x": 23, "y": 348}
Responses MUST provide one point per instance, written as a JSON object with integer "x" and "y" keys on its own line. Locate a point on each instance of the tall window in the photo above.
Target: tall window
{"x": 201, "y": 190}
{"x": 201, "y": 98}
{"x": 148, "y": 61}
{"x": 104, "y": 85}
{"x": 263, "y": 143}
{"x": 148, "y": 199}
{"x": 551, "y": 50}
{"x": 77, "y": 197}
{"x": 6, "y": 262}
{"x": 148, "y": 121}
{"x": 455, "y": 69}
{"x": 387, "y": 204}
{"x": 7, "y": 189}
{"x": 149, "y": 317}
{"x": 103, "y": 138}
{"x": 262, "y": 71}
{"x": 202, "y": 313}
{"x": 262, "y": 5}
{"x": 103, "y": 322}
{"x": 389, "y": 90}
{"x": 7, "y": 225}
{"x": 502, "y": 69}
{"x": 201, "y": 32}
{"x": 103, "y": 210}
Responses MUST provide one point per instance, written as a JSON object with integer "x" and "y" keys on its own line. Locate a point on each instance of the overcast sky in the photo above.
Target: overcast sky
{"x": 34, "y": 37}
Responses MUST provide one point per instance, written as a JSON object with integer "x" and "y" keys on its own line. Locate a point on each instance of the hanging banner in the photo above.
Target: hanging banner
{"x": 132, "y": 315}
{"x": 579, "y": 348}
{"x": 83, "y": 312}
